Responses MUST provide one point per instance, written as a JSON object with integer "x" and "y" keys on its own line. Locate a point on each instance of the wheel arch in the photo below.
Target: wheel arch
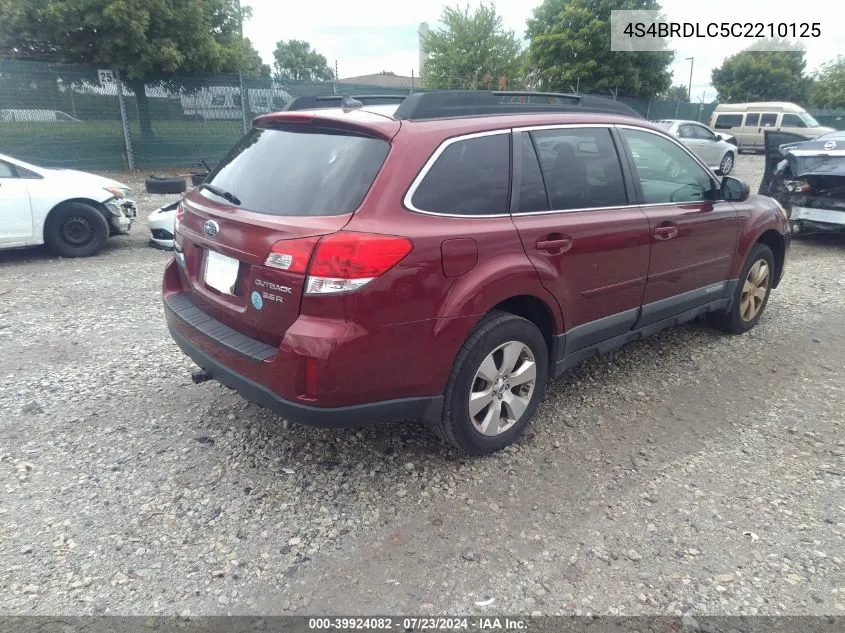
{"x": 535, "y": 310}
{"x": 776, "y": 242}
{"x": 89, "y": 201}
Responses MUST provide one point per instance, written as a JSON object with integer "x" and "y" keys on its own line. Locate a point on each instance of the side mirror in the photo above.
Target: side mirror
{"x": 734, "y": 189}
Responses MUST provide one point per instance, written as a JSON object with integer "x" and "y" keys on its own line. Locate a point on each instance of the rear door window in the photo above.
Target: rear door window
{"x": 470, "y": 177}
{"x": 298, "y": 170}
{"x": 532, "y": 188}
{"x": 580, "y": 167}
{"x": 768, "y": 119}
{"x": 752, "y": 119}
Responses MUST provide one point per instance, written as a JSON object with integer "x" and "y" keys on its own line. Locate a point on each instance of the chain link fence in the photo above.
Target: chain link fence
{"x": 86, "y": 118}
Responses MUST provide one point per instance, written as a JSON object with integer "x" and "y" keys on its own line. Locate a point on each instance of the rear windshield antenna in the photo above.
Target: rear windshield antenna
{"x": 348, "y": 103}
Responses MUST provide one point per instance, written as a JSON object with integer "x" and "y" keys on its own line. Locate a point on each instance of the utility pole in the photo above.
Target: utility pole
{"x": 336, "y": 77}
{"x": 689, "y": 90}
{"x": 244, "y": 99}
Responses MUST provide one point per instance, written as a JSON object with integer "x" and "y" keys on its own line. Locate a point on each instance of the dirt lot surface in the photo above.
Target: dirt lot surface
{"x": 690, "y": 473}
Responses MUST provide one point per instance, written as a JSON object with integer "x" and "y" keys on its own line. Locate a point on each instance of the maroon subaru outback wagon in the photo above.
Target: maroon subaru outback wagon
{"x": 442, "y": 259}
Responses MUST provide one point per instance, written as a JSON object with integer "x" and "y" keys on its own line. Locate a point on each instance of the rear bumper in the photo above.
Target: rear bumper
{"x": 426, "y": 409}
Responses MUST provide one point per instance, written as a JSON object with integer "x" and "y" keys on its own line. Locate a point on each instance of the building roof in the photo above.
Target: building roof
{"x": 383, "y": 81}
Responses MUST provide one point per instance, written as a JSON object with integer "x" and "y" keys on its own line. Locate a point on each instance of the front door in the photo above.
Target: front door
{"x": 588, "y": 242}
{"x": 15, "y": 208}
{"x": 693, "y": 233}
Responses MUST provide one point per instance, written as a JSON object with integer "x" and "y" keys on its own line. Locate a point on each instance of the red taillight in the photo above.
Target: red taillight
{"x": 291, "y": 255}
{"x": 358, "y": 255}
{"x": 342, "y": 261}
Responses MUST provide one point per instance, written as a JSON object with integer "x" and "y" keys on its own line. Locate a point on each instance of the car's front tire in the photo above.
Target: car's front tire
{"x": 727, "y": 164}
{"x": 76, "y": 229}
{"x": 496, "y": 384}
{"x": 752, "y": 293}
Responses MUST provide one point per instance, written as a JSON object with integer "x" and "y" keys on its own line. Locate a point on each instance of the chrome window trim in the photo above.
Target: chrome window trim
{"x": 409, "y": 195}
{"x": 406, "y": 201}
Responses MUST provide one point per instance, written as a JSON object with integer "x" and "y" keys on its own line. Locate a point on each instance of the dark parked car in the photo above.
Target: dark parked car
{"x": 808, "y": 177}
{"x": 442, "y": 259}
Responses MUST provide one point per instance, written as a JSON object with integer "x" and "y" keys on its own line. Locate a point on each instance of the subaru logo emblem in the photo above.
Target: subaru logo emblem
{"x": 830, "y": 145}
{"x": 211, "y": 228}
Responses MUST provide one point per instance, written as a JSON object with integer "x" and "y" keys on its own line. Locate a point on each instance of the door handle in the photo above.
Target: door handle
{"x": 555, "y": 243}
{"x": 665, "y": 232}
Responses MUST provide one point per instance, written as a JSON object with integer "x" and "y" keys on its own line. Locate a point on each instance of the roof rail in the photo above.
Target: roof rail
{"x": 314, "y": 102}
{"x": 458, "y": 103}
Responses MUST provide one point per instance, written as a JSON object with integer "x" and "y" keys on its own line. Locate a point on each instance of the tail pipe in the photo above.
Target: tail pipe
{"x": 200, "y": 375}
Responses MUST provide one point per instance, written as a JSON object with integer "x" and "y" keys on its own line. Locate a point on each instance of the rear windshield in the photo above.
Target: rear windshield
{"x": 300, "y": 170}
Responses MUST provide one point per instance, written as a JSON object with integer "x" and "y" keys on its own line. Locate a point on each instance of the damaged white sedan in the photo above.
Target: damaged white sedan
{"x": 808, "y": 178}
{"x": 73, "y": 212}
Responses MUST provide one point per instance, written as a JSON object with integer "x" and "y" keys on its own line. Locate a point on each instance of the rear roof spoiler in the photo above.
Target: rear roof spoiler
{"x": 314, "y": 102}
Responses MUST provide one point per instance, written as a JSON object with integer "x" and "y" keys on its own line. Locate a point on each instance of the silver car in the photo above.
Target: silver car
{"x": 713, "y": 149}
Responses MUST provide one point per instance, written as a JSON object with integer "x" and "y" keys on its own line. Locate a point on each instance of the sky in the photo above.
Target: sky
{"x": 368, "y": 36}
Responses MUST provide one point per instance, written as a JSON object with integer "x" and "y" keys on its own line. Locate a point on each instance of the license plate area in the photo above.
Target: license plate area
{"x": 221, "y": 272}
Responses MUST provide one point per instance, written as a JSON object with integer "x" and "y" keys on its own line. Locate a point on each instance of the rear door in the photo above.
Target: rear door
{"x": 589, "y": 245}
{"x": 247, "y": 242}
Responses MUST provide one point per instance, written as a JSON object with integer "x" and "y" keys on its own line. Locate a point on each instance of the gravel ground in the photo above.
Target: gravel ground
{"x": 689, "y": 473}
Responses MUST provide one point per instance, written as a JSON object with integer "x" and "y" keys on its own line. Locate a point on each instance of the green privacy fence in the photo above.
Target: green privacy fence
{"x": 86, "y": 118}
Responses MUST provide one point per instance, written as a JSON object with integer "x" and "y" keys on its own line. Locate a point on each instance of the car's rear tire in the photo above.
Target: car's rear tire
{"x": 495, "y": 386}
{"x": 752, "y": 293}
{"x": 727, "y": 164}
{"x": 76, "y": 229}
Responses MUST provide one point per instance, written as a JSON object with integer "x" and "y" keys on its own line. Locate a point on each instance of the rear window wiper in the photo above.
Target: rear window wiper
{"x": 221, "y": 193}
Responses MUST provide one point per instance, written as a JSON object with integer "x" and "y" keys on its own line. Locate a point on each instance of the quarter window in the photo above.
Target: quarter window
{"x": 6, "y": 171}
{"x": 728, "y": 121}
{"x": 471, "y": 177}
{"x": 580, "y": 167}
{"x": 665, "y": 171}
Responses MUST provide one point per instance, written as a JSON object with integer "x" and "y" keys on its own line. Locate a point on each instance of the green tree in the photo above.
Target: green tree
{"x": 675, "y": 93}
{"x": 253, "y": 65}
{"x": 569, "y": 48}
{"x": 472, "y": 51}
{"x": 761, "y": 75}
{"x": 828, "y": 90}
{"x": 145, "y": 39}
{"x": 297, "y": 61}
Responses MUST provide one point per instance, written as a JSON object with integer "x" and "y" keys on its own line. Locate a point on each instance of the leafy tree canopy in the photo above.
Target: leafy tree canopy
{"x": 139, "y": 37}
{"x": 757, "y": 75}
{"x": 570, "y": 49}
{"x": 297, "y": 61}
{"x": 828, "y": 89}
{"x": 472, "y": 50}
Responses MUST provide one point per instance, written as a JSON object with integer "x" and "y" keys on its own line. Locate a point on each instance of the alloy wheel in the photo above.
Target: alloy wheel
{"x": 754, "y": 290}
{"x": 502, "y": 388}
